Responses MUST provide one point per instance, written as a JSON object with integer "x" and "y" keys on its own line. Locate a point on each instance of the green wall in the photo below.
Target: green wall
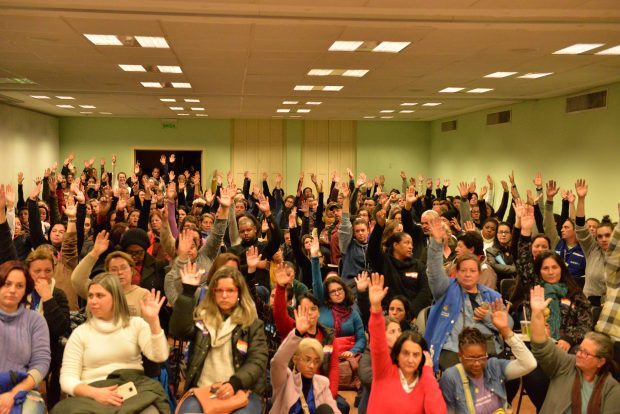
{"x": 386, "y": 148}
{"x": 294, "y": 131}
{"x": 540, "y": 137}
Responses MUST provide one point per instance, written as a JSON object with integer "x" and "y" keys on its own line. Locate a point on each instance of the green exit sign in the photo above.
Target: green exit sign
{"x": 169, "y": 123}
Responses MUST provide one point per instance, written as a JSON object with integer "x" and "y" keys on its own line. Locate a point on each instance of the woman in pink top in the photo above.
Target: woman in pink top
{"x": 405, "y": 374}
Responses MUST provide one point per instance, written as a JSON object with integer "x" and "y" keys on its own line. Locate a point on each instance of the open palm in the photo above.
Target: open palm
{"x": 150, "y": 305}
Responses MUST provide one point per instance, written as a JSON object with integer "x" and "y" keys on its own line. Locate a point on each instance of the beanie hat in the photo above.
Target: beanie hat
{"x": 137, "y": 237}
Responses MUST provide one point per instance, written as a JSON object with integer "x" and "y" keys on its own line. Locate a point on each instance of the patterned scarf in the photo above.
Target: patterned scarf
{"x": 341, "y": 314}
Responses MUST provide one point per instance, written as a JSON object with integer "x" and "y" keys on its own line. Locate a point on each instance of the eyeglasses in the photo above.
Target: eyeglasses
{"x": 136, "y": 253}
{"x": 585, "y": 354}
{"x": 480, "y": 360}
{"x": 336, "y": 291}
{"x": 227, "y": 292}
{"x": 312, "y": 361}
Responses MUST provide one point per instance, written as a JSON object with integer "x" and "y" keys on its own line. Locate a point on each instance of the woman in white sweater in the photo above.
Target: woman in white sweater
{"x": 110, "y": 340}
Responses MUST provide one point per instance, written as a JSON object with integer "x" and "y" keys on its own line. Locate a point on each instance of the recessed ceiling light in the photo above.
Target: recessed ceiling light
{"x": 314, "y": 103}
{"x": 176, "y": 108}
{"x": 355, "y": 73}
{"x": 290, "y": 102}
{"x": 407, "y": 111}
{"x": 184, "y": 85}
{"x": 611, "y": 51}
{"x": 295, "y": 116}
{"x": 408, "y": 104}
{"x": 500, "y": 74}
{"x": 480, "y": 90}
{"x": 167, "y": 99}
{"x": 451, "y": 90}
{"x": 320, "y": 72}
{"x": 197, "y": 108}
{"x": 152, "y": 84}
{"x": 104, "y": 40}
{"x": 303, "y": 87}
{"x": 345, "y": 46}
{"x": 369, "y": 117}
{"x": 277, "y": 116}
{"x": 578, "y": 48}
{"x": 105, "y": 113}
{"x": 303, "y": 111}
{"x": 152, "y": 41}
{"x": 39, "y": 96}
{"x": 169, "y": 69}
{"x": 132, "y": 68}
{"x": 88, "y": 106}
{"x": 65, "y": 106}
{"x": 432, "y": 104}
{"x": 391, "y": 47}
{"x": 387, "y": 117}
{"x": 65, "y": 97}
{"x": 202, "y": 115}
{"x": 86, "y": 112}
{"x": 386, "y": 111}
{"x": 183, "y": 114}
{"x": 191, "y": 100}
{"x": 283, "y": 110}
{"x": 535, "y": 75}
{"x": 332, "y": 88}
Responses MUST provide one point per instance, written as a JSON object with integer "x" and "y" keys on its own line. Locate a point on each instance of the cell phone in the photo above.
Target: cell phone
{"x": 127, "y": 390}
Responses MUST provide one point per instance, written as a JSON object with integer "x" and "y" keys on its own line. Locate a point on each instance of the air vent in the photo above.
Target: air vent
{"x": 586, "y": 102}
{"x": 448, "y": 126}
{"x": 501, "y": 117}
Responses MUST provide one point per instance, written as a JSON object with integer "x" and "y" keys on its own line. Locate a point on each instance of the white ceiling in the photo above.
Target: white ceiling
{"x": 244, "y": 57}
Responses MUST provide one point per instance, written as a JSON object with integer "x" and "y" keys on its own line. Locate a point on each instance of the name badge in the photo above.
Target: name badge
{"x": 413, "y": 275}
{"x": 200, "y": 325}
{"x": 327, "y": 349}
{"x": 242, "y": 347}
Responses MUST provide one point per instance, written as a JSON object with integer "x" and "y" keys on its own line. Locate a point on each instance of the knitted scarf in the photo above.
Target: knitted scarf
{"x": 594, "y": 405}
{"x": 555, "y": 291}
{"x": 341, "y": 314}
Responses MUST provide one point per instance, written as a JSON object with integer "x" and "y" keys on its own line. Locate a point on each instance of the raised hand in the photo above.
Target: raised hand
{"x": 410, "y": 197}
{"x": 463, "y": 189}
{"x": 171, "y": 176}
{"x": 315, "y": 247}
{"x": 302, "y": 319}
{"x": 472, "y": 186}
{"x": 538, "y": 303}
{"x": 252, "y": 258}
{"x": 581, "y": 188}
{"x": 538, "y": 181}
{"x": 263, "y": 205}
{"x": 469, "y": 226}
{"x": 335, "y": 176}
{"x": 455, "y": 224}
{"x": 162, "y": 159}
{"x": 403, "y": 175}
{"x": 552, "y": 189}
{"x": 47, "y": 173}
{"x": 113, "y": 159}
{"x": 499, "y": 316}
{"x": 230, "y": 177}
{"x": 172, "y": 158}
{"x": 136, "y": 168}
{"x": 79, "y": 195}
{"x": 278, "y": 182}
{"x": 281, "y": 275}
{"x": 292, "y": 218}
{"x": 362, "y": 281}
{"x": 36, "y": 190}
{"x": 570, "y": 196}
{"x": 483, "y": 192}
{"x": 504, "y": 186}
{"x": 438, "y": 231}
{"x": 102, "y": 243}
{"x": 150, "y": 305}
{"x": 361, "y": 180}
{"x": 10, "y": 196}
{"x": 350, "y": 174}
{"x": 380, "y": 218}
{"x": 102, "y": 162}
{"x": 190, "y": 274}
{"x": 518, "y": 206}
{"x": 511, "y": 177}
{"x": 429, "y": 183}
{"x": 446, "y": 182}
{"x": 70, "y": 208}
{"x": 209, "y": 196}
{"x": 20, "y": 178}
{"x": 185, "y": 243}
{"x": 376, "y": 291}
{"x": 171, "y": 191}
{"x": 344, "y": 189}
{"x": 438, "y": 182}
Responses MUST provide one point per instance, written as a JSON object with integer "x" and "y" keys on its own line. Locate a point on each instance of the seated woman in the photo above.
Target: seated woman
{"x": 302, "y": 390}
{"x": 25, "y": 342}
{"x": 499, "y": 255}
{"x": 229, "y": 348}
{"x": 51, "y": 302}
{"x": 486, "y": 376}
{"x": 459, "y": 302}
{"x": 403, "y": 380}
{"x": 471, "y": 242}
{"x": 579, "y": 383}
{"x": 109, "y": 346}
{"x": 336, "y": 308}
{"x": 118, "y": 263}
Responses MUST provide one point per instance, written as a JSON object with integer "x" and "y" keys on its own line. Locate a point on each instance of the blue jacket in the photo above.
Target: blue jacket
{"x": 575, "y": 258}
{"x": 454, "y": 393}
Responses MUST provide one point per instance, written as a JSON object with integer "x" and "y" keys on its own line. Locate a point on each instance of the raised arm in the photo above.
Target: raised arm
{"x": 549, "y": 222}
{"x": 438, "y": 280}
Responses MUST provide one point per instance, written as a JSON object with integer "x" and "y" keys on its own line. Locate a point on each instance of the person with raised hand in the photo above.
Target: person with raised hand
{"x": 353, "y": 241}
{"x": 594, "y": 247}
{"x": 578, "y": 383}
{"x": 486, "y": 375}
{"x": 302, "y": 389}
{"x": 405, "y": 373}
{"x": 459, "y": 302}
{"x": 109, "y": 346}
{"x": 191, "y": 250}
{"x": 229, "y": 349}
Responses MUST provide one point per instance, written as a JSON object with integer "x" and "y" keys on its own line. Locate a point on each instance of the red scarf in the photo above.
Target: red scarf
{"x": 340, "y": 314}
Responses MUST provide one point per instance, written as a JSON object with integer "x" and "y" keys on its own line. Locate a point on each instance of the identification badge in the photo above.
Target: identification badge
{"x": 242, "y": 346}
{"x": 413, "y": 275}
{"x": 327, "y": 349}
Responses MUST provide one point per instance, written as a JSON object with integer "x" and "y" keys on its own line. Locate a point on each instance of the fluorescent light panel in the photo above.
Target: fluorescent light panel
{"x": 85, "y": 112}
{"x": 408, "y": 104}
{"x": 202, "y": 115}
{"x": 152, "y": 42}
{"x": 345, "y": 46}
{"x": 168, "y": 99}
{"x": 183, "y": 85}
{"x": 152, "y": 84}
{"x": 314, "y": 103}
{"x": 283, "y": 110}
{"x": 578, "y": 48}
{"x": 65, "y": 97}
{"x": 500, "y": 74}
{"x": 197, "y": 108}
{"x": 355, "y": 73}
{"x": 39, "y": 96}
{"x": 451, "y": 90}
{"x": 332, "y": 88}
{"x": 105, "y": 113}
{"x": 290, "y": 102}
{"x": 132, "y": 68}
{"x": 169, "y": 69}
{"x": 407, "y": 111}
{"x": 176, "y": 108}
{"x": 191, "y": 100}
{"x": 387, "y": 117}
{"x": 65, "y": 106}
{"x": 88, "y": 106}
{"x": 104, "y": 40}
{"x": 480, "y": 90}
{"x": 303, "y": 111}
{"x": 391, "y": 47}
{"x": 535, "y": 75}
{"x": 386, "y": 111}
{"x": 183, "y": 114}
{"x": 320, "y": 72}
{"x": 611, "y": 51}
{"x": 432, "y": 104}
{"x": 369, "y": 117}
{"x": 303, "y": 87}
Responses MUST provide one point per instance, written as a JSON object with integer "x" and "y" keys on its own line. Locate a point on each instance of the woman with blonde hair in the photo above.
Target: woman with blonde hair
{"x": 229, "y": 348}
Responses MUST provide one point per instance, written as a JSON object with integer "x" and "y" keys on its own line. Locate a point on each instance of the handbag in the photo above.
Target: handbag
{"x": 348, "y": 377}
{"x": 215, "y": 405}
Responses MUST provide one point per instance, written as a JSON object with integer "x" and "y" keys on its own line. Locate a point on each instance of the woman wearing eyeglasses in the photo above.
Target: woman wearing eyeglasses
{"x": 229, "y": 348}
{"x": 581, "y": 383}
{"x": 476, "y": 385}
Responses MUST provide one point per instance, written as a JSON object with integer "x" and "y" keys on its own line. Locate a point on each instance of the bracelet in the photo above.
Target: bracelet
{"x": 72, "y": 220}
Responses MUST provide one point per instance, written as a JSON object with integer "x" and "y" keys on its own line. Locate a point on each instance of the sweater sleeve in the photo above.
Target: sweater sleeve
{"x": 437, "y": 278}
{"x": 7, "y": 248}
{"x": 524, "y": 361}
{"x": 380, "y": 354}
{"x": 80, "y": 275}
{"x": 40, "y": 355}
{"x": 344, "y": 232}
{"x": 433, "y": 398}
{"x": 153, "y": 346}
{"x": 317, "y": 281}
{"x": 360, "y": 336}
{"x": 281, "y": 359}
{"x": 212, "y": 246}
{"x": 549, "y": 223}
{"x": 552, "y": 359}
{"x": 72, "y": 361}
{"x": 284, "y": 323}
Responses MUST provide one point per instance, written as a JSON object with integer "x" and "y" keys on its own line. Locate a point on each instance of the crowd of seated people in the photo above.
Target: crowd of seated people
{"x": 146, "y": 292}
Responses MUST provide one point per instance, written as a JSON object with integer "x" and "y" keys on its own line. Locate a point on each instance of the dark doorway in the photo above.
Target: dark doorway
{"x": 185, "y": 160}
